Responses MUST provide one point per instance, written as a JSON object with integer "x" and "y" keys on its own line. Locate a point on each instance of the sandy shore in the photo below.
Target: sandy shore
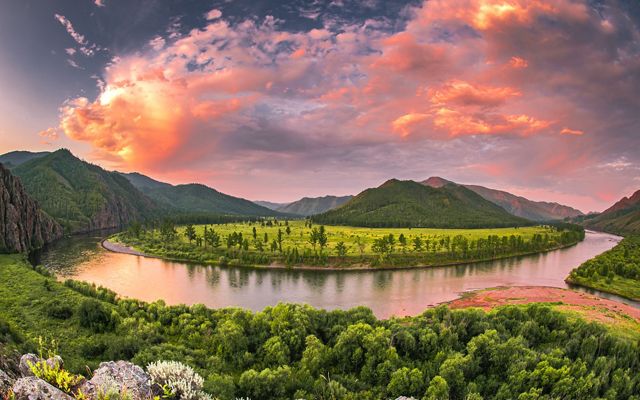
{"x": 490, "y": 298}
{"x": 120, "y": 248}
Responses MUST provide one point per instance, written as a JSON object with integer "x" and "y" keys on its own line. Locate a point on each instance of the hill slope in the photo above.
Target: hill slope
{"x": 314, "y": 205}
{"x": 516, "y": 205}
{"x": 82, "y": 196}
{"x": 195, "y": 198}
{"x": 622, "y": 218}
{"x": 15, "y": 158}
{"x": 410, "y": 204}
{"x": 23, "y": 225}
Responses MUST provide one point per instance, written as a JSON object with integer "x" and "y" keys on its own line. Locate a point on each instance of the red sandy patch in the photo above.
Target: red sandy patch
{"x": 488, "y": 299}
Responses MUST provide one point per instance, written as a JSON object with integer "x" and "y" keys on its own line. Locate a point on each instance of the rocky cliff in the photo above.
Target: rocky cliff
{"x": 23, "y": 225}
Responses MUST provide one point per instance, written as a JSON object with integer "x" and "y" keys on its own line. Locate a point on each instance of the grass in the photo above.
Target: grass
{"x": 358, "y": 242}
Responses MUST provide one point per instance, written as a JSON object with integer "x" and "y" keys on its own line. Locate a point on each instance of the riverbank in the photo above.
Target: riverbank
{"x": 117, "y": 247}
{"x": 620, "y": 316}
{"x": 616, "y": 271}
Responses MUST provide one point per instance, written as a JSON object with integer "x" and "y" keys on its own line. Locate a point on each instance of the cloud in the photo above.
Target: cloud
{"x": 498, "y": 85}
{"x": 86, "y": 48}
{"x": 99, "y": 3}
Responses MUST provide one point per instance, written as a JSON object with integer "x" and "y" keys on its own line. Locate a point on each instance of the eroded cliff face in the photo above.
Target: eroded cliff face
{"x": 23, "y": 225}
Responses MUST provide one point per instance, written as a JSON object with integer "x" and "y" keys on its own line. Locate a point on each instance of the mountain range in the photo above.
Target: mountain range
{"x": 621, "y": 218}
{"x": 84, "y": 197}
{"x": 307, "y": 206}
{"x": 398, "y": 203}
{"x": 516, "y": 205}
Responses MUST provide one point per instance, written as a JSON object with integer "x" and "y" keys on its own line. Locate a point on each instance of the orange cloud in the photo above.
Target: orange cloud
{"x": 405, "y": 124}
{"x": 567, "y": 131}
{"x": 463, "y": 93}
{"x": 518, "y": 62}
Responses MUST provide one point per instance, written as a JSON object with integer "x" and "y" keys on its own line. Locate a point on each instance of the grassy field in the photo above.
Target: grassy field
{"x": 257, "y": 244}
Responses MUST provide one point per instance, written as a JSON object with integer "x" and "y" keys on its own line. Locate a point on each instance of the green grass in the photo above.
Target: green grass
{"x": 615, "y": 271}
{"x": 437, "y": 248}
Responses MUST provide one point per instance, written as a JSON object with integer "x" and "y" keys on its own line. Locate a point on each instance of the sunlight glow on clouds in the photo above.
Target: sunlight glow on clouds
{"x": 507, "y": 71}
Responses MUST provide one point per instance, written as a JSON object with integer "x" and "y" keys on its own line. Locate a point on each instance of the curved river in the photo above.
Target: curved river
{"x": 391, "y": 292}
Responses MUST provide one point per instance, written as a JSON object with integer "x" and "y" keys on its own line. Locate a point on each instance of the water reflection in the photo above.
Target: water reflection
{"x": 388, "y": 292}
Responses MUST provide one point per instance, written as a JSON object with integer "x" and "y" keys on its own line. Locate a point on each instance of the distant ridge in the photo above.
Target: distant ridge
{"x": 398, "y": 203}
{"x": 622, "y": 218}
{"x": 516, "y": 205}
{"x": 195, "y": 198}
{"x": 314, "y": 205}
{"x": 14, "y": 158}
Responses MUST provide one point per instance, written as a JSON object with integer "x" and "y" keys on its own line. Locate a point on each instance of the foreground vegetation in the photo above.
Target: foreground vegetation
{"x": 616, "y": 271}
{"x": 300, "y": 243}
{"x": 295, "y": 351}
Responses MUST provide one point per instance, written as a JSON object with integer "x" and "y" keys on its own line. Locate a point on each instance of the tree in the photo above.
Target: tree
{"x": 361, "y": 244}
{"x": 190, "y": 233}
{"x": 403, "y": 242}
{"x": 322, "y": 238}
{"x": 255, "y": 233}
{"x": 438, "y": 389}
{"x": 212, "y": 238}
{"x": 288, "y": 230}
{"x": 266, "y": 237}
{"x": 280, "y": 239}
{"x": 341, "y": 249}
{"x": 135, "y": 229}
{"x": 417, "y": 243}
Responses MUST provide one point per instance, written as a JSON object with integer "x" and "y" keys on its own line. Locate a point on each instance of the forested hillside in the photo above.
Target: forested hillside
{"x": 82, "y": 196}
{"x": 307, "y": 206}
{"x": 295, "y": 351}
{"x": 410, "y": 204}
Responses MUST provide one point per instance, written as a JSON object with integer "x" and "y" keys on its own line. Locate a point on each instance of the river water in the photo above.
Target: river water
{"x": 390, "y": 292}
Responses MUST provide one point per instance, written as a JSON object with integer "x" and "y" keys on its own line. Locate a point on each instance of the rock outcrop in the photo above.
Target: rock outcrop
{"x": 23, "y": 225}
{"x": 119, "y": 376}
{"x": 5, "y": 383}
{"x": 32, "y": 388}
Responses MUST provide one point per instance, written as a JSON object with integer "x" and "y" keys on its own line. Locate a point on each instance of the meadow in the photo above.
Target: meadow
{"x": 299, "y": 242}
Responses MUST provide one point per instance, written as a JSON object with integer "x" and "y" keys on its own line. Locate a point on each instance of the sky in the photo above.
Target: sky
{"x": 275, "y": 100}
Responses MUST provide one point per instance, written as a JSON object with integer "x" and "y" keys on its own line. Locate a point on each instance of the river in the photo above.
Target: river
{"x": 387, "y": 293}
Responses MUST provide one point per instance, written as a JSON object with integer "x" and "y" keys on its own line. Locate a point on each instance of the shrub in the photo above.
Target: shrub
{"x": 55, "y": 375}
{"x": 183, "y": 382}
{"x": 59, "y": 310}
{"x": 95, "y": 316}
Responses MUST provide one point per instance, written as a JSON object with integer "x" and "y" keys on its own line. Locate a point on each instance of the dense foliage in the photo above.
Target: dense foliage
{"x": 411, "y": 204}
{"x": 294, "y": 351}
{"x": 302, "y": 243}
{"x": 615, "y": 271}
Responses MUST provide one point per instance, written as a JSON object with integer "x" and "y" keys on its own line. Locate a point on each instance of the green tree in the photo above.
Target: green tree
{"x": 341, "y": 249}
{"x": 438, "y": 389}
{"x": 190, "y": 233}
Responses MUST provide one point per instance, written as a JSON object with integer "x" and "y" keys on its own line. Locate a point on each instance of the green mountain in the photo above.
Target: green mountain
{"x": 195, "y": 198}
{"x": 82, "y": 196}
{"x": 270, "y": 205}
{"x": 516, "y": 205}
{"x": 410, "y": 204}
{"x": 15, "y": 158}
{"x": 313, "y": 205}
{"x": 622, "y": 218}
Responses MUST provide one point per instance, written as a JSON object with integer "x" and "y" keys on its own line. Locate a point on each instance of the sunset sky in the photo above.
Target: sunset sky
{"x": 305, "y": 98}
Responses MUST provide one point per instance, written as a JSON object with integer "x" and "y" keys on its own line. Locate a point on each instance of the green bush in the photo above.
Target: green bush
{"x": 59, "y": 310}
{"x": 94, "y": 315}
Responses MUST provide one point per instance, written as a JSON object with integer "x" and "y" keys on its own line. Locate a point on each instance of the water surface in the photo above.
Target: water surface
{"x": 394, "y": 292}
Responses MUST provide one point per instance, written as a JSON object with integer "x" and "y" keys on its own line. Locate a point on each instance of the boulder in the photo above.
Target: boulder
{"x": 5, "y": 383}
{"x": 25, "y": 361}
{"x": 32, "y": 388}
{"x": 55, "y": 361}
{"x": 120, "y": 376}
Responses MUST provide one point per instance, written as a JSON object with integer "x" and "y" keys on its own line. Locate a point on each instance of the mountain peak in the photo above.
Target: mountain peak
{"x": 436, "y": 182}
{"x": 625, "y": 202}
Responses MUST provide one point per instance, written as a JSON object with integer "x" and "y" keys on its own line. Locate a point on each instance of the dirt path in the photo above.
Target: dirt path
{"x": 570, "y": 299}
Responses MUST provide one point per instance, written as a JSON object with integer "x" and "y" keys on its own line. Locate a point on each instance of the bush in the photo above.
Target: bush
{"x": 59, "y": 310}
{"x": 182, "y": 380}
{"x": 95, "y": 316}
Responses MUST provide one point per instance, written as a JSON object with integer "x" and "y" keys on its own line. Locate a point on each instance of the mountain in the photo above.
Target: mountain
{"x": 516, "y": 205}
{"x": 270, "y": 205}
{"x": 411, "y": 204}
{"x": 622, "y": 218}
{"x": 23, "y": 225}
{"x": 314, "y": 205}
{"x": 15, "y": 158}
{"x": 82, "y": 196}
{"x": 195, "y": 198}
